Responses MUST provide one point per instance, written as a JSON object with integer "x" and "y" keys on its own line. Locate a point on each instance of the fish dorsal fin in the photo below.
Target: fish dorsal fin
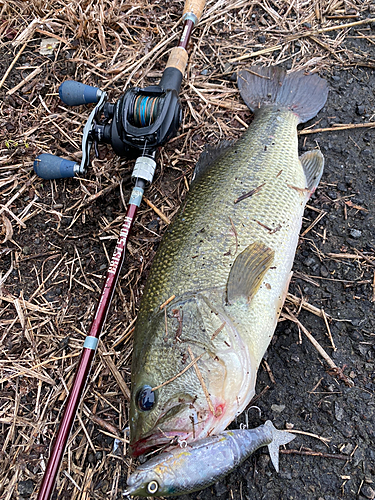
{"x": 248, "y": 271}
{"x": 313, "y": 164}
{"x": 207, "y": 157}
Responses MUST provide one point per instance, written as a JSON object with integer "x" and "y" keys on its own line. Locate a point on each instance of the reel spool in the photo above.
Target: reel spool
{"x": 140, "y": 122}
{"x": 145, "y": 110}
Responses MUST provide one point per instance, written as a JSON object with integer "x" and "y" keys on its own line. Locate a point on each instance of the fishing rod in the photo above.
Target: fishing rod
{"x": 140, "y": 122}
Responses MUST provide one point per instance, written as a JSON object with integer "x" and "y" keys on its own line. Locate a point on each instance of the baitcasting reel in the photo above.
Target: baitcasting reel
{"x": 140, "y": 122}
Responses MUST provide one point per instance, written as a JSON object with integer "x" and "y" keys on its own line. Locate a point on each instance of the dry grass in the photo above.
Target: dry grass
{"x": 55, "y": 237}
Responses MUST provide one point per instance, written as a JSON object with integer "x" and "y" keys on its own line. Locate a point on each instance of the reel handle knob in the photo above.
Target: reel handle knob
{"x": 49, "y": 166}
{"x": 76, "y": 93}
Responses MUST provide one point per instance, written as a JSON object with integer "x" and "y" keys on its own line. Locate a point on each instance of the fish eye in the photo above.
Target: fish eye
{"x": 146, "y": 398}
{"x": 152, "y": 487}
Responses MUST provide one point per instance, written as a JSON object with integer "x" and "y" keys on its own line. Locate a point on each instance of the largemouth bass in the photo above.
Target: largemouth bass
{"x": 226, "y": 259}
{"x": 180, "y": 470}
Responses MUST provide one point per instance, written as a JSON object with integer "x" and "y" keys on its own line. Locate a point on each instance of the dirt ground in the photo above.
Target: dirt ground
{"x": 56, "y": 239}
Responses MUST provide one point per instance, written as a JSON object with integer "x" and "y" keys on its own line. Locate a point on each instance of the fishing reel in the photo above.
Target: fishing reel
{"x": 140, "y": 122}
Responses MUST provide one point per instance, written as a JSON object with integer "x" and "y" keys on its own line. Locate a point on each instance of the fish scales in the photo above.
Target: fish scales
{"x": 206, "y": 243}
{"x": 213, "y": 242}
{"x": 203, "y": 228}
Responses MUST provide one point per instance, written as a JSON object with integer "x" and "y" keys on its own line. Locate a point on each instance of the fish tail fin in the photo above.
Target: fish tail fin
{"x": 303, "y": 94}
{"x": 278, "y": 438}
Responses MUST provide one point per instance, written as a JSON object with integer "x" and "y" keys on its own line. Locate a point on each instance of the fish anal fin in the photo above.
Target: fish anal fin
{"x": 313, "y": 164}
{"x": 248, "y": 271}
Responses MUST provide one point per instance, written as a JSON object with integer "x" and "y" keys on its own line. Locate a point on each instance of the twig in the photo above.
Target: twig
{"x": 167, "y": 301}
{"x": 52, "y": 35}
{"x": 313, "y": 454}
{"x": 29, "y": 77}
{"x": 157, "y": 211}
{"x": 364, "y": 257}
{"x": 349, "y": 126}
{"x": 334, "y": 369}
{"x": 269, "y": 371}
{"x": 216, "y": 332}
{"x": 301, "y": 302}
{"x": 48, "y": 277}
{"x": 316, "y": 386}
{"x": 104, "y": 354}
{"x": 105, "y": 425}
{"x": 328, "y": 330}
{"x": 310, "y": 434}
{"x": 320, "y": 217}
{"x": 72, "y": 480}
{"x": 100, "y": 193}
{"x": 345, "y": 256}
{"x": 250, "y": 193}
{"x": 181, "y": 373}
{"x": 258, "y": 396}
{"x": 235, "y": 234}
{"x": 199, "y": 375}
{"x": 11, "y": 66}
{"x": 257, "y": 53}
{"x": 344, "y": 26}
{"x": 128, "y": 331}
{"x": 86, "y": 433}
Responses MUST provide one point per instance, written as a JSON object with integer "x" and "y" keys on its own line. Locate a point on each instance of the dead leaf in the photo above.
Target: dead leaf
{"x": 352, "y": 205}
{"x": 7, "y": 229}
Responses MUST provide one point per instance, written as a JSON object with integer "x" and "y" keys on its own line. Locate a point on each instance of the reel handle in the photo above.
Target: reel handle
{"x": 49, "y": 167}
{"x": 76, "y": 93}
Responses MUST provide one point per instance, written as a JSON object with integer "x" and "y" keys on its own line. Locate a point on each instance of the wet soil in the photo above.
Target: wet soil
{"x": 300, "y": 393}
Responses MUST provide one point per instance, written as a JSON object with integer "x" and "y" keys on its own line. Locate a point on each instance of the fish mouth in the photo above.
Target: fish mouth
{"x": 161, "y": 439}
{"x": 185, "y": 428}
{"x": 169, "y": 429}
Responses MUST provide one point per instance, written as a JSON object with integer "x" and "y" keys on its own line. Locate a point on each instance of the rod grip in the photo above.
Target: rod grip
{"x": 194, "y": 7}
{"x": 76, "y": 93}
{"x": 49, "y": 166}
{"x": 178, "y": 59}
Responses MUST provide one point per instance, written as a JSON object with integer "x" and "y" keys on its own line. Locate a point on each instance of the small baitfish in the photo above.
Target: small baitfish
{"x": 226, "y": 259}
{"x": 204, "y": 462}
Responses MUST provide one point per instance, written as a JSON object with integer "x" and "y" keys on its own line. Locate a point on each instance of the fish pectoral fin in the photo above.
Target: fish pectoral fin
{"x": 248, "y": 271}
{"x": 313, "y": 164}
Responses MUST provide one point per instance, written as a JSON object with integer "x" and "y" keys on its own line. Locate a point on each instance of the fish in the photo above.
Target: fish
{"x": 179, "y": 471}
{"x": 221, "y": 274}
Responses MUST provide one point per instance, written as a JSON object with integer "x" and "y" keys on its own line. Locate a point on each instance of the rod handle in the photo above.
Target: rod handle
{"x": 76, "y": 93}
{"x": 49, "y": 166}
{"x": 178, "y": 58}
{"x": 194, "y": 7}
